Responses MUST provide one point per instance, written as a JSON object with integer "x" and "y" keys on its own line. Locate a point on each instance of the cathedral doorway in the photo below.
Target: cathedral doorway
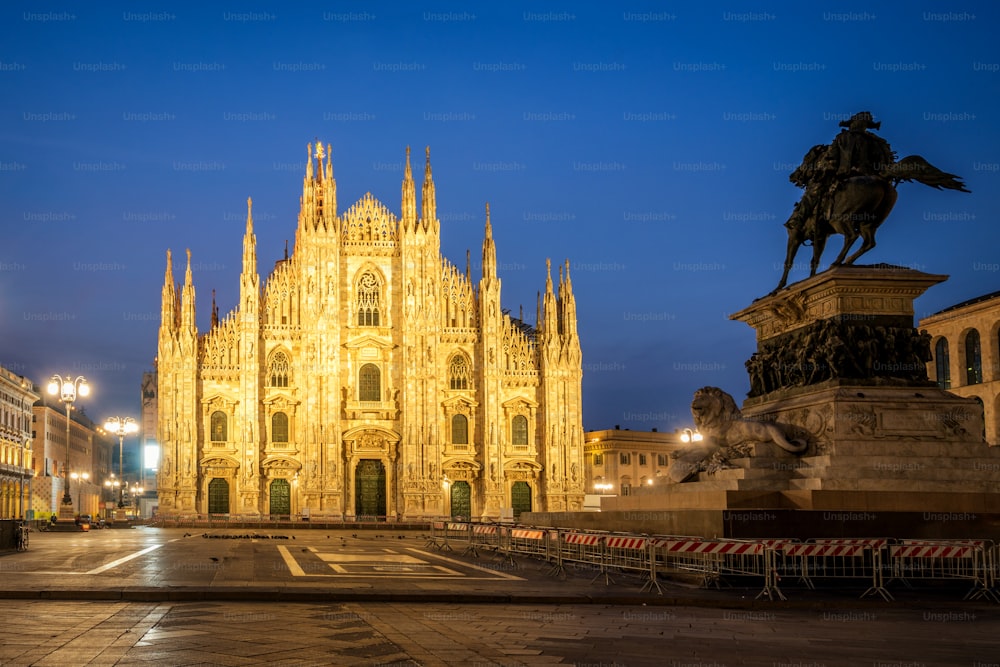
{"x": 369, "y": 490}
{"x": 461, "y": 501}
{"x": 281, "y": 498}
{"x": 520, "y": 498}
{"x": 218, "y": 496}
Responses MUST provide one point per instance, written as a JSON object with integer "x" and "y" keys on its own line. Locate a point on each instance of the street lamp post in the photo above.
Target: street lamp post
{"x": 80, "y": 479}
{"x": 136, "y": 492}
{"x": 114, "y": 486}
{"x": 67, "y": 390}
{"x": 121, "y": 426}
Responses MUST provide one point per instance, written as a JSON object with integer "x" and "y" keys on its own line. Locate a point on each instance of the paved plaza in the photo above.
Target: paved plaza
{"x": 313, "y": 597}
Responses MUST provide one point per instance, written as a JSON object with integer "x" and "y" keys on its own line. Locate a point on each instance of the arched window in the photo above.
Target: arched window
{"x": 458, "y": 372}
{"x": 368, "y": 300}
{"x": 981, "y": 407}
{"x": 942, "y": 363}
{"x": 369, "y": 383}
{"x": 519, "y": 430}
{"x": 279, "y": 427}
{"x": 277, "y": 371}
{"x": 973, "y": 358}
{"x": 460, "y": 430}
{"x": 218, "y": 426}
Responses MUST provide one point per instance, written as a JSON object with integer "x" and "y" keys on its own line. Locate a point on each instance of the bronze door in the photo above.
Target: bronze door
{"x": 520, "y": 498}
{"x": 461, "y": 501}
{"x": 281, "y": 498}
{"x": 218, "y": 496}
{"x": 369, "y": 490}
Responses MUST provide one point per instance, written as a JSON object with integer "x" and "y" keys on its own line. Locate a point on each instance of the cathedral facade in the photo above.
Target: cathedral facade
{"x": 369, "y": 377}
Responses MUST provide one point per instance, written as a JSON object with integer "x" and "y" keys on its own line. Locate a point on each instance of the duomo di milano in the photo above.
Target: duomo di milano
{"x": 369, "y": 377}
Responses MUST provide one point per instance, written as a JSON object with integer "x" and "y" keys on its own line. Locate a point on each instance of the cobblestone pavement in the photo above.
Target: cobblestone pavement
{"x": 175, "y": 597}
{"x": 232, "y": 633}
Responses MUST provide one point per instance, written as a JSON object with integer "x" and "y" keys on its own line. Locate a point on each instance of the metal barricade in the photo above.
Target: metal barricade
{"x": 438, "y": 539}
{"x": 859, "y": 559}
{"x": 966, "y": 560}
{"x": 527, "y": 541}
{"x": 585, "y": 548}
{"x": 458, "y": 532}
{"x": 715, "y": 559}
{"x": 484, "y": 536}
{"x": 625, "y": 553}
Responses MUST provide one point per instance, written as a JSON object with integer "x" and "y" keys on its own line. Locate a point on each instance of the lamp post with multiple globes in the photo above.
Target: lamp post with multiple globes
{"x": 114, "y": 485}
{"x": 121, "y": 426}
{"x": 67, "y": 390}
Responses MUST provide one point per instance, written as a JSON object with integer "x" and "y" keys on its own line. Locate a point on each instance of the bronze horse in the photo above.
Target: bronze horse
{"x": 858, "y": 206}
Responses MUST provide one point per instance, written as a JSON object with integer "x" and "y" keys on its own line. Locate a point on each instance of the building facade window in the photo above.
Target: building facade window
{"x": 973, "y": 358}
{"x": 369, "y": 383}
{"x": 460, "y": 430}
{"x": 625, "y": 459}
{"x": 459, "y": 373}
{"x": 661, "y": 460}
{"x": 277, "y": 371}
{"x": 368, "y": 300}
{"x": 598, "y": 459}
{"x": 642, "y": 460}
{"x": 218, "y": 426}
{"x": 279, "y": 427}
{"x": 519, "y": 431}
{"x": 942, "y": 363}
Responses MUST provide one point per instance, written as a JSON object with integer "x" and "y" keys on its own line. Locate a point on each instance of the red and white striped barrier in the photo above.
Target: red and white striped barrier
{"x": 526, "y": 534}
{"x": 619, "y": 542}
{"x": 933, "y": 551}
{"x": 708, "y": 547}
{"x": 849, "y": 550}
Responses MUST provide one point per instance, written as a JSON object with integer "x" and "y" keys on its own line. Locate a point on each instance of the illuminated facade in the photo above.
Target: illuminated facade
{"x": 965, "y": 350}
{"x": 369, "y": 377}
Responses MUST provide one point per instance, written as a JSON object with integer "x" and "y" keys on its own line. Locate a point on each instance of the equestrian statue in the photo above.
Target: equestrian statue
{"x": 850, "y": 188}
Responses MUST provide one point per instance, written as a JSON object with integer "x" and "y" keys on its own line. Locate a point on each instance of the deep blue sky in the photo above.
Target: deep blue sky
{"x": 649, "y": 144}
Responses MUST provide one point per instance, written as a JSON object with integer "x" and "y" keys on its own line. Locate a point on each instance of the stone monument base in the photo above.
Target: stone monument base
{"x": 67, "y": 512}
{"x": 839, "y": 368}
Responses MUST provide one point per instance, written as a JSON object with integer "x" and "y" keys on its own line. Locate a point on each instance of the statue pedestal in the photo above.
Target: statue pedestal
{"x": 847, "y": 323}
{"x": 67, "y": 511}
{"x": 840, "y": 366}
{"x": 838, "y": 360}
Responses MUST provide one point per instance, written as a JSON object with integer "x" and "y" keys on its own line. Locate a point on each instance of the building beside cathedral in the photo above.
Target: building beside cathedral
{"x": 965, "y": 350}
{"x": 369, "y": 377}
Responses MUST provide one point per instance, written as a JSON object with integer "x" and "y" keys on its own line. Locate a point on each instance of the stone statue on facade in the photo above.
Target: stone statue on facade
{"x": 850, "y": 188}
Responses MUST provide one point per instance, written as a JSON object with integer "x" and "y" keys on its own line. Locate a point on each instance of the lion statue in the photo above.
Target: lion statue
{"x": 724, "y": 431}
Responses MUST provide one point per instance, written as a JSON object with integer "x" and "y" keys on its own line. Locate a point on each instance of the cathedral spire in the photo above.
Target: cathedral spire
{"x": 409, "y": 205}
{"x": 489, "y": 251}
{"x": 568, "y": 303}
{"x": 320, "y": 154}
{"x": 249, "y": 290}
{"x": 168, "y": 308}
{"x": 309, "y": 162}
{"x": 249, "y": 242}
{"x": 329, "y": 162}
{"x": 215, "y": 312}
{"x": 187, "y": 300}
{"x": 428, "y": 197}
{"x": 550, "y": 305}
